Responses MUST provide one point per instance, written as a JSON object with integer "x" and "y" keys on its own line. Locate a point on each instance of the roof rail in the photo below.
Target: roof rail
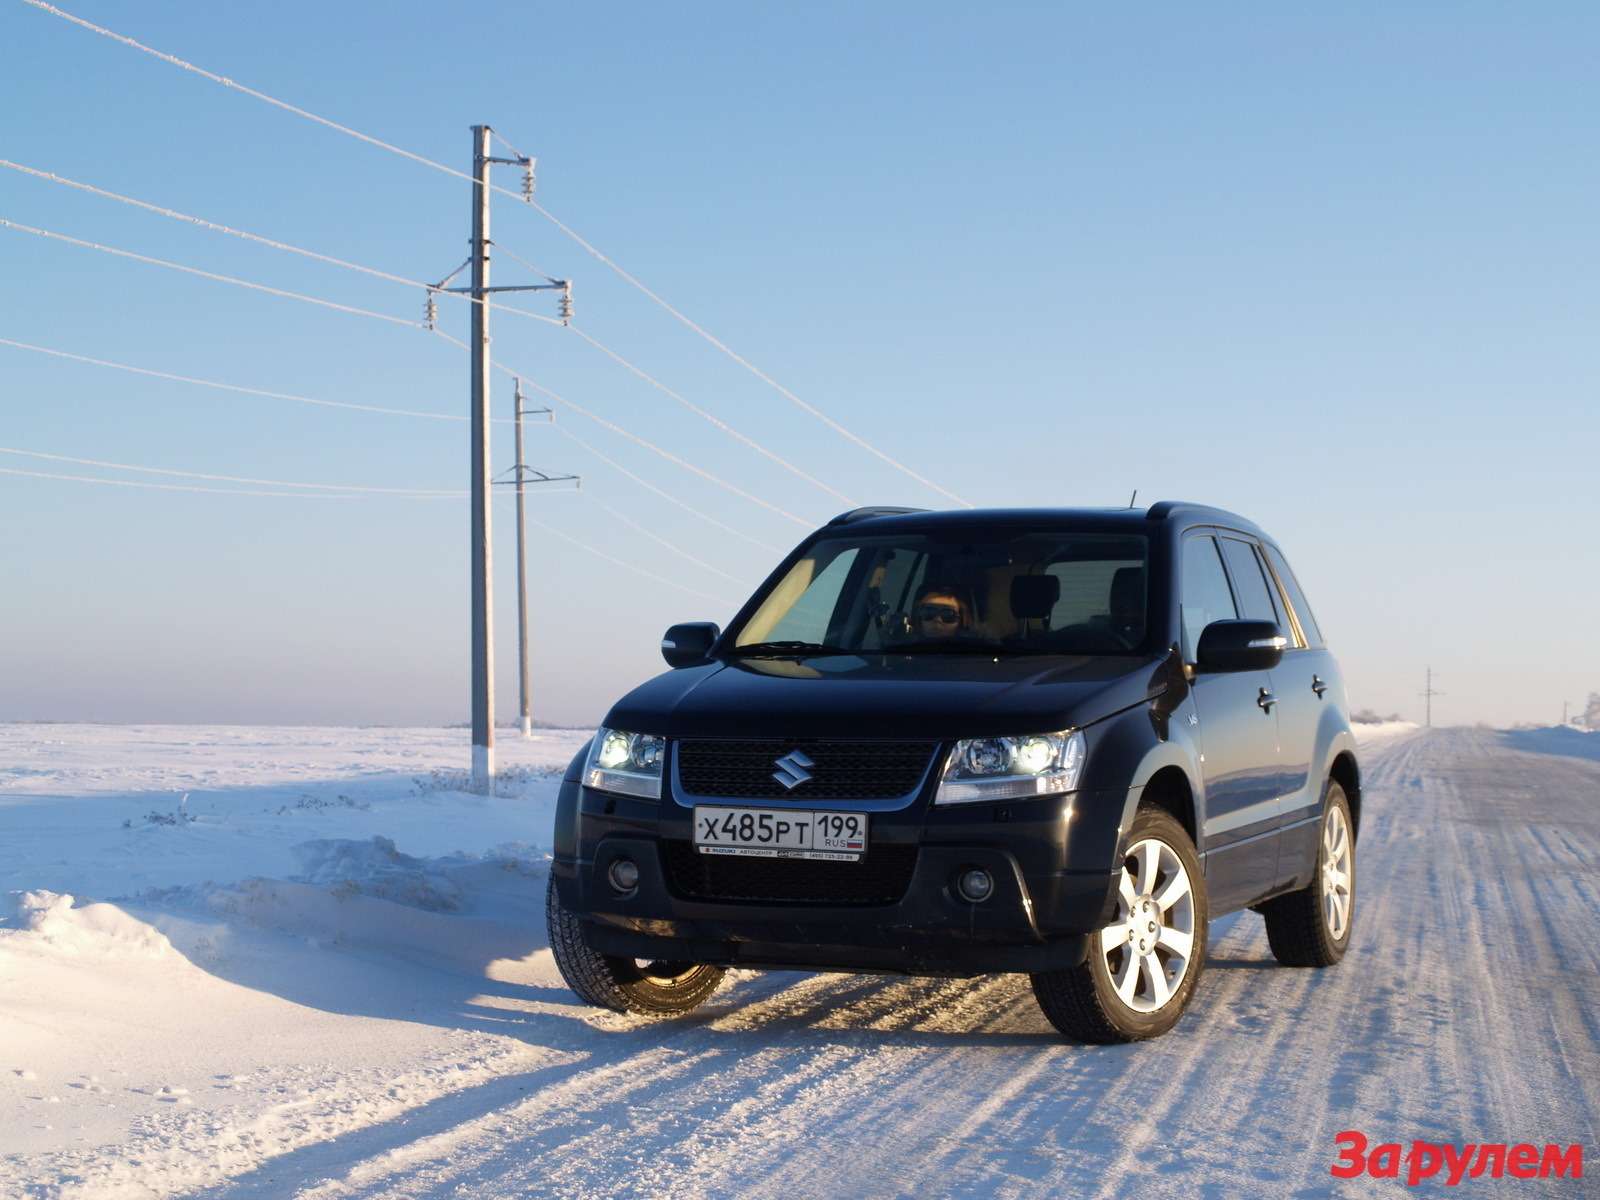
{"x": 861, "y": 514}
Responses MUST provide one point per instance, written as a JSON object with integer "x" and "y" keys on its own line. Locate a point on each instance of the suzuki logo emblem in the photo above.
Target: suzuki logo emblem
{"x": 791, "y": 770}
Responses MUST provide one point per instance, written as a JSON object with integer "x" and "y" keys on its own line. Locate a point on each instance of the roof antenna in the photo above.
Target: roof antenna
{"x": 1133, "y": 497}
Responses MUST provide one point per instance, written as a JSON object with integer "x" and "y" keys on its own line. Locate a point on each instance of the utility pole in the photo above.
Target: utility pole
{"x": 522, "y": 581}
{"x": 521, "y": 481}
{"x": 481, "y": 530}
{"x": 482, "y": 549}
{"x": 1429, "y": 693}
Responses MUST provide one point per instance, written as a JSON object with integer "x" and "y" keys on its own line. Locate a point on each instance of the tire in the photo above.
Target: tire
{"x": 1302, "y": 927}
{"x": 1085, "y": 1002}
{"x": 655, "y": 989}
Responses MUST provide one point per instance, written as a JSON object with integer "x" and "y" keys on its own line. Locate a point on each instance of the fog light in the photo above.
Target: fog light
{"x": 624, "y": 874}
{"x": 975, "y": 885}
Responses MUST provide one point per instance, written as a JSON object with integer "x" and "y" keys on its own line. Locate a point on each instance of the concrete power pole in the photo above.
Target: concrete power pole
{"x": 482, "y": 548}
{"x": 523, "y": 476}
{"x": 522, "y": 581}
{"x": 479, "y": 291}
{"x": 1428, "y": 693}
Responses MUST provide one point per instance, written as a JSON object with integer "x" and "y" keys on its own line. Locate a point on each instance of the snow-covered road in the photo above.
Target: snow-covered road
{"x": 410, "y": 1038}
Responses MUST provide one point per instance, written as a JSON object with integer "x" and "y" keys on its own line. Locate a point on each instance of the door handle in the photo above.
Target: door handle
{"x": 1266, "y": 700}
{"x": 1318, "y": 685}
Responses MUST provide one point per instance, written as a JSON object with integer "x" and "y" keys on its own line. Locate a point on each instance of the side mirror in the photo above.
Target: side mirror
{"x": 687, "y": 645}
{"x": 1240, "y": 646}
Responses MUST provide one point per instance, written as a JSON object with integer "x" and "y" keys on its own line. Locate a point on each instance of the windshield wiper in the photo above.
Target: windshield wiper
{"x": 784, "y": 649}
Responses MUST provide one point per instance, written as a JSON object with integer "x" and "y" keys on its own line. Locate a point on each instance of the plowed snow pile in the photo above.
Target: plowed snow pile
{"x": 273, "y": 963}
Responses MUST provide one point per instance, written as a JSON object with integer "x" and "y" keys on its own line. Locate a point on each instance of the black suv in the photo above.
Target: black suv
{"x": 951, "y": 743}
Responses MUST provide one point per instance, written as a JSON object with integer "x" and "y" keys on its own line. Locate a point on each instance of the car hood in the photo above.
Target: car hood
{"x": 860, "y": 696}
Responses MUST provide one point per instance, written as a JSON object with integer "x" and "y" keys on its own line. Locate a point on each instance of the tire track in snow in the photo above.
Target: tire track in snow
{"x": 1464, "y": 1012}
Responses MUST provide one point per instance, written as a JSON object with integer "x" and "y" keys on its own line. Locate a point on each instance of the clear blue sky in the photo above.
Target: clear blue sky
{"x": 1332, "y": 266}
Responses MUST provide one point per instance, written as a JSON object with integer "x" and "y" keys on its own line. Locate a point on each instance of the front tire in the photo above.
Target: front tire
{"x": 1141, "y": 969}
{"x": 1311, "y": 927}
{"x": 656, "y": 989}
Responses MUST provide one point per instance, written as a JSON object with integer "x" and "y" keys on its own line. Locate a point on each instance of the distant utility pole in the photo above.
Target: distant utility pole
{"x": 1428, "y": 693}
{"x": 523, "y": 475}
{"x": 481, "y": 529}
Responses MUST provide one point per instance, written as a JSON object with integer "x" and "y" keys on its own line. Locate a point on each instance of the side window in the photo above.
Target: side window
{"x": 1206, "y": 597}
{"x": 1249, "y": 582}
{"x": 1297, "y": 598}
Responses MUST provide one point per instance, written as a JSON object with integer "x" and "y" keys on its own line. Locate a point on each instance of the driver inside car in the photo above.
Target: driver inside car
{"x": 941, "y": 611}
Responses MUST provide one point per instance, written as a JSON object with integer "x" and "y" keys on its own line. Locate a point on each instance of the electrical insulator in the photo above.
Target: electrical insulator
{"x": 430, "y": 312}
{"x": 528, "y": 167}
{"x": 566, "y": 304}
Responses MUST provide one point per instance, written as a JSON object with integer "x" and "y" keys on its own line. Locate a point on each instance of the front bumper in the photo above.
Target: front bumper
{"x": 1049, "y": 858}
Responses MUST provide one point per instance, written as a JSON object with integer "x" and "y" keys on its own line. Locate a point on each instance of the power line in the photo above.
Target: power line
{"x": 431, "y": 289}
{"x": 665, "y": 495}
{"x": 421, "y": 493}
{"x": 336, "y": 490}
{"x": 396, "y": 412}
{"x": 228, "y": 387}
{"x": 656, "y": 537}
{"x": 260, "y": 239}
{"x": 249, "y": 284}
{"x": 714, "y": 420}
{"x": 635, "y": 438}
{"x": 567, "y": 230}
{"x": 683, "y": 319}
{"x": 212, "y": 275}
{"x": 179, "y": 487}
{"x": 175, "y": 61}
{"x": 623, "y": 563}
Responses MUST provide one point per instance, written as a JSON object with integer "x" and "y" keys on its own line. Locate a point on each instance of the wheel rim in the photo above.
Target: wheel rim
{"x": 663, "y": 972}
{"x": 1147, "y": 949}
{"x": 1336, "y": 873}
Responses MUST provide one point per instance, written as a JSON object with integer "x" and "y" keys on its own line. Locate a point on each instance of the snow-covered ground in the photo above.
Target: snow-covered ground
{"x": 302, "y": 962}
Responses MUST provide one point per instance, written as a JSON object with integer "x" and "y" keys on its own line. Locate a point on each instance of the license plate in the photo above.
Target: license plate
{"x": 765, "y": 833}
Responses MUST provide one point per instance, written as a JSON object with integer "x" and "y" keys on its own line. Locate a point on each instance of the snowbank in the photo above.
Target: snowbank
{"x": 217, "y": 945}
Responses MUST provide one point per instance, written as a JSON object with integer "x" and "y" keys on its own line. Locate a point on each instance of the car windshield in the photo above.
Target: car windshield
{"x": 990, "y": 592}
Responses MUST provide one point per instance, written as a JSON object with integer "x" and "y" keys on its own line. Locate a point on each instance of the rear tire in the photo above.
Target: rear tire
{"x": 656, "y": 989}
{"x": 1141, "y": 970}
{"x": 1311, "y": 927}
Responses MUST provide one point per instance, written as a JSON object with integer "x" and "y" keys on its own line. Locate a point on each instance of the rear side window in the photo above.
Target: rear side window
{"x": 1206, "y": 597}
{"x": 1297, "y": 598}
{"x": 1249, "y": 582}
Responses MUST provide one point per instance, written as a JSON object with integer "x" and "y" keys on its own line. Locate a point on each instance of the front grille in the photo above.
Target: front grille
{"x": 880, "y": 878}
{"x": 840, "y": 770}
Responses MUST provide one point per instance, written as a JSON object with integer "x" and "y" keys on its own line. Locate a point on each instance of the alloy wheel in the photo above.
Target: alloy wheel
{"x": 1148, "y": 947}
{"x": 1336, "y": 873}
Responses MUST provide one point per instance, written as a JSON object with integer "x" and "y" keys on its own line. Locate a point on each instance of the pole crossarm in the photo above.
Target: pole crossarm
{"x": 532, "y": 475}
{"x": 524, "y": 287}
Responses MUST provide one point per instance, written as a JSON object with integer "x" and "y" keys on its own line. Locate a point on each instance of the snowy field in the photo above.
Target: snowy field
{"x": 302, "y": 962}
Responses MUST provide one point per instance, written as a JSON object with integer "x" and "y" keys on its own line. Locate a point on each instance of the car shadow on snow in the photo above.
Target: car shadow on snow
{"x": 484, "y": 966}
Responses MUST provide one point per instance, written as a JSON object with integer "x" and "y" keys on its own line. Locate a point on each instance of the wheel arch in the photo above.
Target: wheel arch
{"x": 1169, "y": 790}
{"x": 1346, "y": 772}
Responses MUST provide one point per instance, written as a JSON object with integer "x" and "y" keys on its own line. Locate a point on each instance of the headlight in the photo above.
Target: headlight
{"x": 629, "y": 763}
{"x": 1012, "y": 768}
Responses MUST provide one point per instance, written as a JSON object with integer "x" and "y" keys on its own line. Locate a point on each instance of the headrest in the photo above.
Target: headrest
{"x": 1033, "y": 596}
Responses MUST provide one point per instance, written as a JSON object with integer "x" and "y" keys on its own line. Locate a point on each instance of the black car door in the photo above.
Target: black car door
{"x": 1237, "y": 732}
{"x": 1308, "y": 684}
